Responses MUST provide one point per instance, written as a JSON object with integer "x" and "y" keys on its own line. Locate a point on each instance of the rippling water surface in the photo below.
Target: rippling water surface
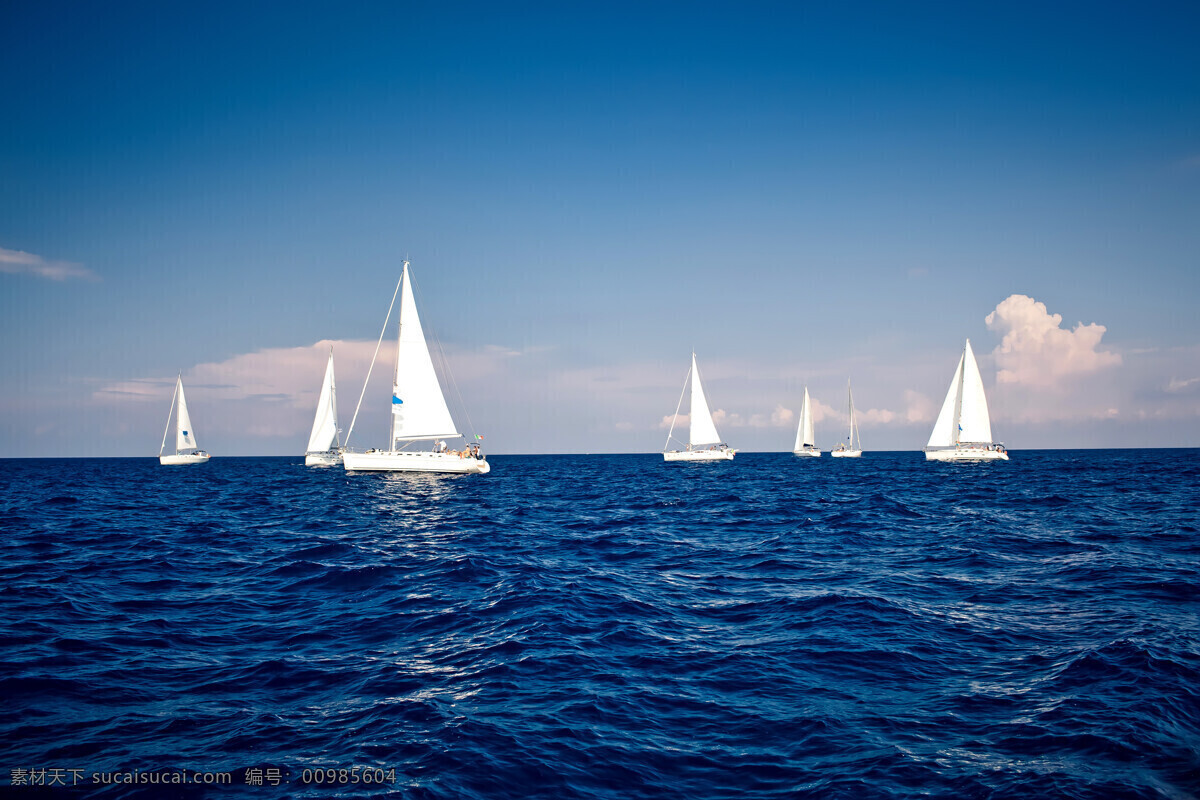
{"x": 610, "y": 626}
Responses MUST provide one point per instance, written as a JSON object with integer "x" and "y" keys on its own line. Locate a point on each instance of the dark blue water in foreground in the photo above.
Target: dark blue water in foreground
{"x": 610, "y": 626}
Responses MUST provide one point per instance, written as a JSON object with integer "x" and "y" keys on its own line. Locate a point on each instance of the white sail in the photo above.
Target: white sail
{"x": 804, "y": 431}
{"x": 945, "y": 430}
{"x": 974, "y": 424}
{"x": 853, "y": 433}
{"x": 185, "y": 437}
{"x": 703, "y": 430}
{"x": 419, "y": 409}
{"x": 324, "y": 429}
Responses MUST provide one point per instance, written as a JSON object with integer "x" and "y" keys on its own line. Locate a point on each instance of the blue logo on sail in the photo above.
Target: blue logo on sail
{"x": 396, "y": 401}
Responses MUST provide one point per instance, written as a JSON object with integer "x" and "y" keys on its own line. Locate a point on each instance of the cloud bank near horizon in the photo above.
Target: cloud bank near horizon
{"x": 541, "y": 398}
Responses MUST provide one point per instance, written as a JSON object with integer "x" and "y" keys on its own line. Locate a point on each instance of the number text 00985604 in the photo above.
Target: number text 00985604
{"x": 331, "y": 775}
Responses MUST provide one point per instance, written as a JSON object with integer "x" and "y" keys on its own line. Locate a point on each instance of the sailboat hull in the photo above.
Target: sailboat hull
{"x": 807, "y": 452}
{"x": 965, "y": 453}
{"x": 322, "y": 459}
{"x": 846, "y": 453}
{"x": 405, "y": 461}
{"x": 699, "y": 455}
{"x": 176, "y": 459}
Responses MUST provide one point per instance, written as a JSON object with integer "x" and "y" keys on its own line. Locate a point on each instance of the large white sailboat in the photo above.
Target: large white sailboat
{"x": 963, "y": 431}
{"x": 806, "y": 442}
{"x": 186, "y": 451}
{"x": 419, "y": 411}
{"x": 704, "y": 443}
{"x": 321, "y": 451}
{"x": 852, "y": 447}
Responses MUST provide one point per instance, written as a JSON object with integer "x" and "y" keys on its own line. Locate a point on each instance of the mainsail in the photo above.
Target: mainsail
{"x": 974, "y": 423}
{"x": 805, "y": 436}
{"x": 703, "y": 430}
{"x": 324, "y": 429}
{"x": 185, "y": 437}
{"x": 419, "y": 408}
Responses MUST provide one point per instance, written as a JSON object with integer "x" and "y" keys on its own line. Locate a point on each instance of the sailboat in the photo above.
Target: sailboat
{"x": 320, "y": 451}
{"x": 186, "y": 451}
{"x": 852, "y": 448}
{"x": 805, "y": 439}
{"x": 963, "y": 431}
{"x": 419, "y": 411}
{"x": 702, "y": 429}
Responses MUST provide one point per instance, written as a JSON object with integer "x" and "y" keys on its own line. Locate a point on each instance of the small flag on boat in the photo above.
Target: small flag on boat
{"x": 396, "y": 401}
{"x": 479, "y": 436}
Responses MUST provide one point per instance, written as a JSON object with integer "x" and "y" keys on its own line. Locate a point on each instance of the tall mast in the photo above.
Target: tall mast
{"x": 957, "y": 430}
{"x": 396, "y": 371}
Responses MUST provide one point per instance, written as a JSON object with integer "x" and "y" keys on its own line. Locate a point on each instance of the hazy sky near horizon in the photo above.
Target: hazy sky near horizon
{"x": 802, "y": 194}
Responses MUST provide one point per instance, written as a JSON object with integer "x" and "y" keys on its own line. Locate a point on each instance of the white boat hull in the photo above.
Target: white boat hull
{"x": 176, "y": 459}
{"x": 699, "y": 455}
{"x": 846, "y": 453}
{"x": 322, "y": 459}
{"x": 966, "y": 453}
{"x": 405, "y": 461}
{"x": 807, "y": 452}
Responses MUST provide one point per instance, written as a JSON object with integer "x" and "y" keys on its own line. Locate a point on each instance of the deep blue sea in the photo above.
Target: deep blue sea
{"x": 606, "y": 627}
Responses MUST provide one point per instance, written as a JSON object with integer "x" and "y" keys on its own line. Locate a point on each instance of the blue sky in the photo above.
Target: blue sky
{"x": 587, "y": 192}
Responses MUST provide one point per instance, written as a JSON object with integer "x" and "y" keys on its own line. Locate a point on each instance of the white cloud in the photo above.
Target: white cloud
{"x": 874, "y": 416}
{"x": 1176, "y": 386}
{"x": 18, "y": 262}
{"x": 681, "y": 422}
{"x": 1036, "y": 351}
{"x": 917, "y": 407}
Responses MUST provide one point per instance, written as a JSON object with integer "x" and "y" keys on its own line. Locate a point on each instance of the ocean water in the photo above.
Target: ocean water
{"x": 605, "y": 627}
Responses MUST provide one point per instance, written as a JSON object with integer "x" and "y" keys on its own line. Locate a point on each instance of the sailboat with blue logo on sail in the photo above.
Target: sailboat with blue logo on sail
{"x": 963, "y": 431}
{"x": 419, "y": 410}
{"x": 186, "y": 451}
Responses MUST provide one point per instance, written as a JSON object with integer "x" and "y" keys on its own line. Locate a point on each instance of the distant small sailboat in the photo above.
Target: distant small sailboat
{"x": 852, "y": 447}
{"x": 186, "y": 451}
{"x": 806, "y": 445}
{"x": 702, "y": 429}
{"x": 419, "y": 411}
{"x": 963, "y": 431}
{"x": 320, "y": 451}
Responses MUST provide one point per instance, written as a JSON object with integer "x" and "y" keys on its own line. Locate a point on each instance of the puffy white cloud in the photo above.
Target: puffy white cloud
{"x": 18, "y": 262}
{"x": 782, "y": 416}
{"x": 1037, "y": 351}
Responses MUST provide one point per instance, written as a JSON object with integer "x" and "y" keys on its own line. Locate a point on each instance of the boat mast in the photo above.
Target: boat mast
{"x": 850, "y": 409}
{"x": 162, "y": 446}
{"x": 396, "y": 371}
{"x": 377, "y": 344}
{"x": 337, "y": 432}
{"x": 957, "y": 431}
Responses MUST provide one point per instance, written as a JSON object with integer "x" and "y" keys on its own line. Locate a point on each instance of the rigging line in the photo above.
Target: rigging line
{"x": 678, "y": 406}
{"x": 163, "y": 446}
{"x": 377, "y": 345}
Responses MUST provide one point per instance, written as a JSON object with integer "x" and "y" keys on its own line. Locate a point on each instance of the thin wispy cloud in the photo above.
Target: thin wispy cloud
{"x": 18, "y": 262}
